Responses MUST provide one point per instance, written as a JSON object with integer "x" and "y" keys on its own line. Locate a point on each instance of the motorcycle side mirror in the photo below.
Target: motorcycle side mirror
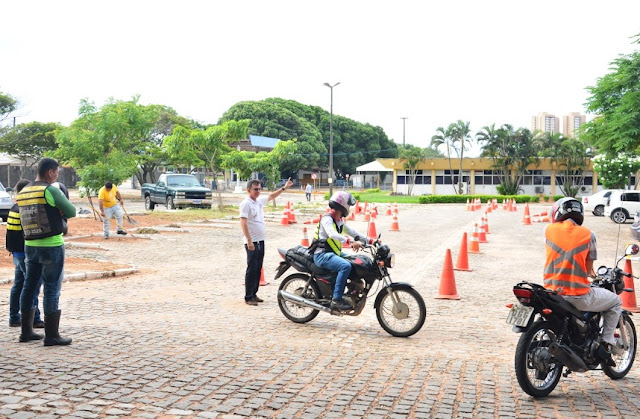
{"x": 632, "y": 249}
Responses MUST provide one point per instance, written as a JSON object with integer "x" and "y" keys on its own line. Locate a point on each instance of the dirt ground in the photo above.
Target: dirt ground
{"x": 85, "y": 229}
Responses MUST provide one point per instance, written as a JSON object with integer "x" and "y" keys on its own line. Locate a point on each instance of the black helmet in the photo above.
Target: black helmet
{"x": 568, "y": 208}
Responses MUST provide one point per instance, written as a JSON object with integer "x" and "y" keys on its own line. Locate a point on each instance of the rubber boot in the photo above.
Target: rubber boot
{"x": 51, "y": 324}
{"x": 26, "y": 321}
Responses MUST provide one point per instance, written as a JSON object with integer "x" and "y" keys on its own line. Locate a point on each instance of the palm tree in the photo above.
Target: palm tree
{"x": 444, "y": 137}
{"x": 511, "y": 150}
{"x": 460, "y": 138}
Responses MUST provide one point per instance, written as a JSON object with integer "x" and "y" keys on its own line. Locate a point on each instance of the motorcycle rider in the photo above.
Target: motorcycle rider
{"x": 328, "y": 241}
{"x": 571, "y": 250}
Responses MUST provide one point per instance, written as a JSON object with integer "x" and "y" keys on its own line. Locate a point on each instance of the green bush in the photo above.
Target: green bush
{"x": 462, "y": 199}
{"x": 557, "y": 197}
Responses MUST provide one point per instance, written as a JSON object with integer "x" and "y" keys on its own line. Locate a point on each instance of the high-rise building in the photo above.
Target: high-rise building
{"x": 571, "y": 124}
{"x": 545, "y": 122}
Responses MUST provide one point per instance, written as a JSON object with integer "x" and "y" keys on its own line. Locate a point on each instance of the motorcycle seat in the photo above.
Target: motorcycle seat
{"x": 302, "y": 260}
{"x": 565, "y": 305}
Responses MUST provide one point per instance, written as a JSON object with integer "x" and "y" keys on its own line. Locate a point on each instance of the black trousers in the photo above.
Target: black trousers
{"x": 254, "y": 267}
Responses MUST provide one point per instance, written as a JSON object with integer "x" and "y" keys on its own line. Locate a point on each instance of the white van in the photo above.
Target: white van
{"x": 622, "y": 205}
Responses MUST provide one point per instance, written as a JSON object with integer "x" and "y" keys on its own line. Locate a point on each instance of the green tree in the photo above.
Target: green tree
{"x": 411, "y": 157}
{"x": 8, "y": 104}
{"x": 30, "y": 141}
{"x": 615, "y": 99}
{"x": 460, "y": 140}
{"x": 444, "y": 137}
{"x": 512, "y": 151}
{"x": 205, "y": 146}
{"x": 149, "y": 150}
{"x": 614, "y": 172}
{"x": 354, "y": 143}
{"x": 102, "y": 144}
{"x": 570, "y": 158}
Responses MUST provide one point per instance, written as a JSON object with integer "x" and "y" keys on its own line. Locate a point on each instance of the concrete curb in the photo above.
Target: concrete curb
{"x": 81, "y": 276}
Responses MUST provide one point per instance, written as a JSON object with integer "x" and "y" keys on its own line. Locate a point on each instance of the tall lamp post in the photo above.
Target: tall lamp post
{"x": 331, "y": 140}
{"x": 404, "y": 118}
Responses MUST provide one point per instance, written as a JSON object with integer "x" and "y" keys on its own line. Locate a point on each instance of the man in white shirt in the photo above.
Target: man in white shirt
{"x": 254, "y": 232}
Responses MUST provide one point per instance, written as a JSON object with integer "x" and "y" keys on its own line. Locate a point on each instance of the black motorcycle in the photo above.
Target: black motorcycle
{"x": 556, "y": 334}
{"x": 399, "y": 307}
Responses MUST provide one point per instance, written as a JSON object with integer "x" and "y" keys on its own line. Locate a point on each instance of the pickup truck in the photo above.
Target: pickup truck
{"x": 175, "y": 191}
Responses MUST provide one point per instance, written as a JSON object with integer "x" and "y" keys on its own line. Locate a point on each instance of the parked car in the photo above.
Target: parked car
{"x": 176, "y": 190}
{"x": 596, "y": 202}
{"x": 622, "y": 205}
{"x": 5, "y": 202}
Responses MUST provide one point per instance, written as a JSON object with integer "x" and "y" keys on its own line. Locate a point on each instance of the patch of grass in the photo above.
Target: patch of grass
{"x": 194, "y": 214}
{"x": 146, "y": 230}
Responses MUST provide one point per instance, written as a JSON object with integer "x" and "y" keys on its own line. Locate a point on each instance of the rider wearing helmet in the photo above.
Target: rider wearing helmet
{"x": 571, "y": 250}
{"x": 328, "y": 241}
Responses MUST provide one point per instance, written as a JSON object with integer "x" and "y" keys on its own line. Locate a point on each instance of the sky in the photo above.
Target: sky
{"x": 434, "y": 63}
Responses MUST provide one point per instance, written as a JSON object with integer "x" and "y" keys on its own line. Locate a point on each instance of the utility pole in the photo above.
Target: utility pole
{"x": 404, "y": 118}
{"x": 331, "y": 140}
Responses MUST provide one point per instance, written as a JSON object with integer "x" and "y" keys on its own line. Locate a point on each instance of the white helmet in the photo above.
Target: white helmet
{"x": 341, "y": 201}
{"x": 568, "y": 208}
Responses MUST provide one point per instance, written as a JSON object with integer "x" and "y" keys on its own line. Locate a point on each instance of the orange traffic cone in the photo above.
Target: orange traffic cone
{"x": 394, "y": 224}
{"x": 367, "y": 216}
{"x": 474, "y": 244}
{"x": 364, "y": 210}
{"x": 374, "y": 212}
{"x": 629, "y": 298}
{"x": 357, "y": 210}
{"x": 352, "y": 216}
{"x": 448, "y": 280}
{"x": 395, "y": 207}
{"x": 262, "y": 280}
{"x": 305, "y": 238}
{"x": 513, "y": 207}
{"x": 292, "y": 216}
{"x": 285, "y": 217}
{"x": 486, "y": 223}
{"x": 482, "y": 235}
{"x": 372, "y": 234}
{"x": 495, "y": 204}
{"x": 314, "y": 220}
{"x": 463, "y": 258}
{"x": 388, "y": 210}
{"x": 526, "y": 220}
{"x": 468, "y": 208}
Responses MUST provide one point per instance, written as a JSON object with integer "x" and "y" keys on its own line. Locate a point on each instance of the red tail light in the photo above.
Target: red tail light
{"x": 585, "y": 200}
{"x": 523, "y": 295}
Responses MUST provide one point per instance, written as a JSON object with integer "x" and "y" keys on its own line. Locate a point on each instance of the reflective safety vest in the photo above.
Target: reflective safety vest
{"x": 15, "y": 236}
{"x": 329, "y": 244}
{"x": 39, "y": 219}
{"x": 567, "y": 251}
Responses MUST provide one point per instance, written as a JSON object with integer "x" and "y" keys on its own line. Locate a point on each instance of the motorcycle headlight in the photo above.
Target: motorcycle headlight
{"x": 383, "y": 251}
{"x": 391, "y": 261}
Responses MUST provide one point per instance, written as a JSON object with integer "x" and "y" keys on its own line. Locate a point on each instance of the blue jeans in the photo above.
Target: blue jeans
{"x": 334, "y": 263}
{"x": 254, "y": 268}
{"x": 16, "y": 290}
{"x": 46, "y": 263}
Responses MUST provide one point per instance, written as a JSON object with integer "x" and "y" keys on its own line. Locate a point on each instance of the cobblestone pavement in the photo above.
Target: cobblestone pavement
{"x": 177, "y": 339}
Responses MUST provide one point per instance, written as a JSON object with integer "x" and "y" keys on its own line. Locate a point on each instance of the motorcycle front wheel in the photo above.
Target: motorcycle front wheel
{"x": 623, "y": 354}
{"x": 295, "y": 284}
{"x": 537, "y": 371}
{"x": 404, "y": 318}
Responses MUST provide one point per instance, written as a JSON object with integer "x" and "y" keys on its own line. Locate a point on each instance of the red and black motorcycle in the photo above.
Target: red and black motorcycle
{"x": 399, "y": 307}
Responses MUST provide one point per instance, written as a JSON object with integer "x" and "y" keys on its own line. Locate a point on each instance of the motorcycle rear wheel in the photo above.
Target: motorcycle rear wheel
{"x": 531, "y": 380}
{"x": 406, "y": 319}
{"x": 295, "y": 284}
{"x": 623, "y": 360}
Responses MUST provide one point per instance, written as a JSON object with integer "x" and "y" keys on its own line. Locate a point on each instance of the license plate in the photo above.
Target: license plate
{"x": 197, "y": 201}
{"x": 519, "y": 315}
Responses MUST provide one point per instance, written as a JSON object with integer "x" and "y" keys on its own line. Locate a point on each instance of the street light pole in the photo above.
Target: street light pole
{"x": 404, "y": 118}
{"x": 331, "y": 140}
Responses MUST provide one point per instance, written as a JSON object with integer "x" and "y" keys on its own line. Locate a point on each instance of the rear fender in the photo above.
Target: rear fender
{"x": 281, "y": 269}
{"x": 394, "y": 286}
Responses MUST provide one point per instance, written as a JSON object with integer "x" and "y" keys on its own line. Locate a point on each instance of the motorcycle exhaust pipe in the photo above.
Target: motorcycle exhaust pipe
{"x": 569, "y": 358}
{"x": 302, "y": 301}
